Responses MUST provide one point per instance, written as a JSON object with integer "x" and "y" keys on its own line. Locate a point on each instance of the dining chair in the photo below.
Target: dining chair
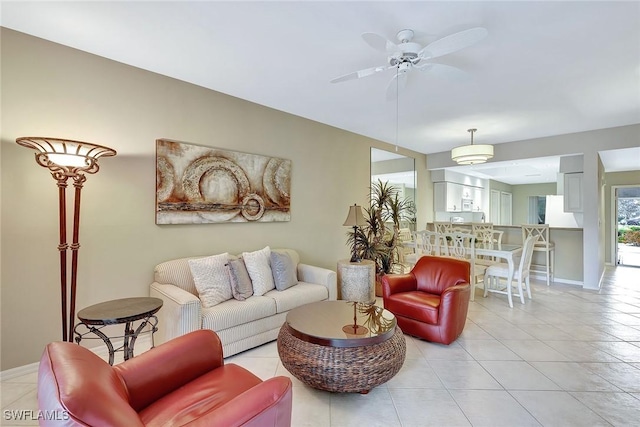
{"x": 442, "y": 227}
{"x": 488, "y": 238}
{"x": 462, "y": 246}
{"x": 424, "y": 243}
{"x": 495, "y": 272}
{"x": 543, "y": 244}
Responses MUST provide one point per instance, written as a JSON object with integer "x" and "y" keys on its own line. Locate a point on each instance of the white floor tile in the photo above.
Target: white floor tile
{"x": 620, "y": 409}
{"x": 534, "y": 350}
{"x": 464, "y": 375}
{"x": 573, "y": 376}
{"x": 513, "y": 375}
{"x": 488, "y": 350}
{"x": 492, "y": 408}
{"x": 356, "y": 410}
{"x": 427, "y": 408}
{"x": 557, "y": 408}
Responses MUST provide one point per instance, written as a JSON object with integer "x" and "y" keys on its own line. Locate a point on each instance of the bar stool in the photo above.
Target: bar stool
{"x": 543, "y": 244}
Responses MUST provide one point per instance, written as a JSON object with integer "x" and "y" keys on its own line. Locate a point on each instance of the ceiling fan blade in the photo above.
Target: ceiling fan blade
{"x": 380, "y": 43}
{"x": 396, "y": 85}
{"x": 453, "y": 42}
{"x": 360, "y": 74}
{"x": 442, "y": 70}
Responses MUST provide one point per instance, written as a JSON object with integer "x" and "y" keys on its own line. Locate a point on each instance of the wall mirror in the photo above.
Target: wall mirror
{"x": 398, "y": 170}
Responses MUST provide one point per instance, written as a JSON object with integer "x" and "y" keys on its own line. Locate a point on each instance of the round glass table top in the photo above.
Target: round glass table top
{"x": 341, "y": 323}
{"x": 120, "y": 310}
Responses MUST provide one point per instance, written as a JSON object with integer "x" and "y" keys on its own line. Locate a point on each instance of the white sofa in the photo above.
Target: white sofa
{"x": 241, "y": 325}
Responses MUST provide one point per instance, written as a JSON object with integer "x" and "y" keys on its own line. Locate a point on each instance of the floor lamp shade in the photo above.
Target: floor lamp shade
{"x": 67, "y": 159}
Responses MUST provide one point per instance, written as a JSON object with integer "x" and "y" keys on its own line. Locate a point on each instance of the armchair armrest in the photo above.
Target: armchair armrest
{"x": 321, "y": 276}
{"x": 394, "y": 283}
{"x": 180, "y": 312}
{"x": 163, "y": 369}
{"x": 267, "y": 404}
{"x": 455, "y": 299}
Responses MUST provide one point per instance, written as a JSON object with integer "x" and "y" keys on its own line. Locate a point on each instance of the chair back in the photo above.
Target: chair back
{"x": 527, "y": 254}
{"x": 427, "y": 243}
{"x": 458, "y": 245}
{"x": 435, "y": 274}
{"x": 539, "y": 231}
{"x": 442, "y": 227}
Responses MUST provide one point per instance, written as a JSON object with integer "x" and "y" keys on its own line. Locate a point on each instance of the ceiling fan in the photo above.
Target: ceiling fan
{"x": 408, "y": 55}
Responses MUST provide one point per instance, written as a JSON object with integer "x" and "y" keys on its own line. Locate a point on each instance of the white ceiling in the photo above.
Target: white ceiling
{"x": 546, "y": 68}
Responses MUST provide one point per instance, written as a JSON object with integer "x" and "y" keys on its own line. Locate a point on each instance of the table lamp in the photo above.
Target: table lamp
{"x": 355, "y": 219}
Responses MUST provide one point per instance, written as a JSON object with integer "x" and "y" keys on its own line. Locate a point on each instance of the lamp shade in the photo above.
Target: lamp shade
{"x": 355, "y": 217}
{"x": 472, "y": 154}
{"x": 66, "y": 155}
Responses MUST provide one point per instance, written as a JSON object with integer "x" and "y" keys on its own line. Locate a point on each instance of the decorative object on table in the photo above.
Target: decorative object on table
{"x": 354, "y": 219}
{"x": 352, "y": 330}
{"x": 472, "y": 154}
{"x": 375, "y": 241}
{"x": 126, "y": 310}
{"x": 196, "y": 185}
{"x": 357, "y": 280}
{"x": 67, "y": 159}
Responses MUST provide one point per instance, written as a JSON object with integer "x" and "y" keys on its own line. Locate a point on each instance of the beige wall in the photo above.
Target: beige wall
{"x": 51, "y": 90}
{"x": 521, "y": 195}
{"x": 614, "y": 179}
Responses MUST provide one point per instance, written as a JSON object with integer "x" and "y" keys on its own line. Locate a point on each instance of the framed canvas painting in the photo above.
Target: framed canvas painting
{"x": 197, "y": 185}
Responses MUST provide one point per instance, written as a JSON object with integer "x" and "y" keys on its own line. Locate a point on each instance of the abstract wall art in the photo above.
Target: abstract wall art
{"x": 197, "y": 185}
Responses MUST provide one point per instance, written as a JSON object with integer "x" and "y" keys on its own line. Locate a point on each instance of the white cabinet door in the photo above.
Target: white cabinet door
{"x": 573, "y": 192}
{"x": 505, "y": 208}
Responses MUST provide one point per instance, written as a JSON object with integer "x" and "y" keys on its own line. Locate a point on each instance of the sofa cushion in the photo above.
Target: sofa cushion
{"x": 295, "y": 296}
{"x": 233, "y": 312}
{"x": 259, "y": 267}
{"x": 212, "y": 279}
{"x": 241, "y": 286}
{"x": 285, "y": 274}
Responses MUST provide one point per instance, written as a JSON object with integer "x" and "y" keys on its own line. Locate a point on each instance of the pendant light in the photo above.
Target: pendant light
{"x": 472, "y": 154}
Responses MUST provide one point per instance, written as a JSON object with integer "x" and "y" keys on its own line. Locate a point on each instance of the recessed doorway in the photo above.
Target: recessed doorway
{"x": 627, "y": 209}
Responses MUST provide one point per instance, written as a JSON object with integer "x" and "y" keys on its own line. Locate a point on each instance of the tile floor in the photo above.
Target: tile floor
{"x": 569, "y": 357}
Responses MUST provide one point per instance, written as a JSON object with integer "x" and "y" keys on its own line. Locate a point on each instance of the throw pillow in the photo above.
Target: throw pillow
{"x": 259, "y": 270}
{"x": 211, "y": 279}
{"x": 241, "y": 287}
{"x": 284, "y": 271}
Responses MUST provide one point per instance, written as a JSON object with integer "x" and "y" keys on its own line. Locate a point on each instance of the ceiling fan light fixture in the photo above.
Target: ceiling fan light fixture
{"x": 472, "y": 154}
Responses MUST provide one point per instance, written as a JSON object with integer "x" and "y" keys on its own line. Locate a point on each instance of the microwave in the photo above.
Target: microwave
{"x": 467, "y": 205}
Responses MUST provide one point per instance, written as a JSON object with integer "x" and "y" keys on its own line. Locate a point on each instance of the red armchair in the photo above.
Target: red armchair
{"x": 432, "y": 300}
{"x": 183, "y": 381}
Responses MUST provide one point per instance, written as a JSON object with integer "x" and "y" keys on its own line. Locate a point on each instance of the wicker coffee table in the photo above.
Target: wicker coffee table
{"x": 341, "y": 346}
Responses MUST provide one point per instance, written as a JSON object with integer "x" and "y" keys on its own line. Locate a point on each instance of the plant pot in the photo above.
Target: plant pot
{"x": 378, "y": 285}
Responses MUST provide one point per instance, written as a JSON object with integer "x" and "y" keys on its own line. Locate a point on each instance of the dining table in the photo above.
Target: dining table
{"x": 507, "y": 252}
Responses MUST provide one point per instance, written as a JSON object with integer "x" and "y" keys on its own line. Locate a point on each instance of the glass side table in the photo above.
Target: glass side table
{"x": 127, "y": 310}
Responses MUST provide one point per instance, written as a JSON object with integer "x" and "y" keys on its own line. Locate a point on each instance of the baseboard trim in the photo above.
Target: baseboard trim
{"x": 100, "y": 350}
{"x": 543, "y": 277}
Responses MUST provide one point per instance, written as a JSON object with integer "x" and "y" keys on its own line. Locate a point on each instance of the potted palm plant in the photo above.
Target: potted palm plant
{"x": 378, "y": 239}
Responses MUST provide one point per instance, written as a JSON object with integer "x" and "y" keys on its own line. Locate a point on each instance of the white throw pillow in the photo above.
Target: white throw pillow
{"x": 212, "y": 279}
{"x": 259, "y": 268}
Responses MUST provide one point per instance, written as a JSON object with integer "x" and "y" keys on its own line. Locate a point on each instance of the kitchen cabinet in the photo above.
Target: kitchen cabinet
{"x": 448, "y": 196}
{"x": 573, "y": 192}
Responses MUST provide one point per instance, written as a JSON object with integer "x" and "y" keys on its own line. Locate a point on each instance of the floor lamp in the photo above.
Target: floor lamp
{"x": 67, "y": 159}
